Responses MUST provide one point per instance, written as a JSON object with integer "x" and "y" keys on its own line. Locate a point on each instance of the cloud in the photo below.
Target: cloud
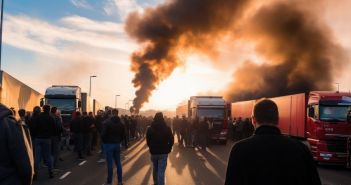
{"x": 39, "y": 36}
{"x": 121, "y": 7}
{"x": 81, "y": 4}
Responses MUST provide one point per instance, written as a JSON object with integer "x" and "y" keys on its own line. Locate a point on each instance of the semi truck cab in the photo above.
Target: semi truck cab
{"x": 215, "y": 109}
{"x": 67, "y": 99}
{"x": 328, "y": 125}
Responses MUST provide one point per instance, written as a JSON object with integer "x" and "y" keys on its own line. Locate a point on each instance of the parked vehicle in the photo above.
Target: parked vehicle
{"x": 319, "y": 118}
{"x": 212, "y": 107}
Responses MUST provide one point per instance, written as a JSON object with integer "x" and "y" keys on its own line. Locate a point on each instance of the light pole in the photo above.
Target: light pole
{"x": 2, "y": 15}
{"x": 94, "y": 76}
{"x": 116, "y": 100}
{"x": 338, "y": 86}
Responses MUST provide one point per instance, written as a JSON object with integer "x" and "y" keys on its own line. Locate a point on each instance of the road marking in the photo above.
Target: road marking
{"x": 65, "y": 175}
{"x": 81, "y": 163}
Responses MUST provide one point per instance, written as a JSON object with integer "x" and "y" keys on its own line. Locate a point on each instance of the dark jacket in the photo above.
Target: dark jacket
{"x": 16, "y": 158}
{"x": 159, "y": 138}
{"x": 75, "y": 124}
{"x": 45, "y": 126}
{"x": 268, "y": 157}
{"x": 113, "y": 131}
{"x": 58, "y": 126}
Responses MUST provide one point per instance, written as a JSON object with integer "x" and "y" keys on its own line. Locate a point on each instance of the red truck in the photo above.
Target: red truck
{"x": 321, "y": 119}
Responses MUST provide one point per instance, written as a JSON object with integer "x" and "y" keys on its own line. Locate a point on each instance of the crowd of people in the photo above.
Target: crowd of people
{"x": 41, "y": 135}
{"x": 192, "y": 133}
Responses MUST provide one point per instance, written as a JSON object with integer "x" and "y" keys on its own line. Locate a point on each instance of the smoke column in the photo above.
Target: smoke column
{"x": 177, "y": 24}
{"x": 298, "y": 49}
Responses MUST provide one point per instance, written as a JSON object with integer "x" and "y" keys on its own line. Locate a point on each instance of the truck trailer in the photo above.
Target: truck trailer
{"x": 215, "y": 109}
{"x": 318, "y": 118}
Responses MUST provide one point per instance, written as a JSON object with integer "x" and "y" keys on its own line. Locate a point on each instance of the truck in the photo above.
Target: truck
{"x": 320, "y": 119}
{"x": 215, "y": 109}
{"x": 67, "y": 99}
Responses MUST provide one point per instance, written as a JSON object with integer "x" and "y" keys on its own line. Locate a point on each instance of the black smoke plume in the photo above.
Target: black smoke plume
{"x": 299, "y": 51}
{"x": 177, "y": 24}
{"x": 297, "y": 47}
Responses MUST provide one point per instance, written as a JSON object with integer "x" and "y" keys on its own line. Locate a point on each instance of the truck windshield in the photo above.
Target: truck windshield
{"x": 333, "y": 113}
{"x": 63, "y": 104}
{"x": 211, "y": 113}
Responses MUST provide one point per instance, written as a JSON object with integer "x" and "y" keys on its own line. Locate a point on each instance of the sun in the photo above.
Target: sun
{"x": 195, "y": 77}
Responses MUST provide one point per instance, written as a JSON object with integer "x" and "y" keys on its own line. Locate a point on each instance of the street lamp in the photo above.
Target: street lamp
{"x": 2, "y": 15}
{"x": 94, "y": 76}
{"x": 338, "y": 84}
{"x": 116, "y": 100}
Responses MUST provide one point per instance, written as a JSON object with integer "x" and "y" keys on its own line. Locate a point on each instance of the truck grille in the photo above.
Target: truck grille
{"x": 337, "y": 146}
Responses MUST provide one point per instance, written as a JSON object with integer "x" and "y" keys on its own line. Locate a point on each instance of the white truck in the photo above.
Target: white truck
{"x": 67, "y": 99}
{"x": 215, "y": 109}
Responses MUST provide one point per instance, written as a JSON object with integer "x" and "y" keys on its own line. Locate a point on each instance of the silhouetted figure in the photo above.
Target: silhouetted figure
{"x": 113, "y": 133}
{"x": 16, "y": 156}
{"x": 44, "y": 131}
{"x": 268, "y": 157}
{"x": 160, "y": 140}
{"x": 77, "y": 134}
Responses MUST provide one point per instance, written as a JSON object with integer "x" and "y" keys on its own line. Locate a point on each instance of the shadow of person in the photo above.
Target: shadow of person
{"x": 176, "y": 160}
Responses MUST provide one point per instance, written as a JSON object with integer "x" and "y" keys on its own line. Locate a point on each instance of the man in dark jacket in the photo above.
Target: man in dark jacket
{"x": 268, "y": 157}
{"x": 44, "y": 130}
{"x": 56, "y": 138}
{"x": 160, "y": 140}
{"x": 77, "y": 134}
{"x": 113, "y": 133}
{"x": 16, "y": 158}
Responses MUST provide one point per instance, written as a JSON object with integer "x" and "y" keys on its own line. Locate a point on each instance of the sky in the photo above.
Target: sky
{"x": 59, "y": 42}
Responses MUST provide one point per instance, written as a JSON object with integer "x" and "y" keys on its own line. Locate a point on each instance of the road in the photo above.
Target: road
{"x": 185, "y": 166}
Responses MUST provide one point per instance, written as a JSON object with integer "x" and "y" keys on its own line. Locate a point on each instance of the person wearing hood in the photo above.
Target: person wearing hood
{"x": 113, "y": 133}
{"x": 160, "y": 140}
{"x": 16, "y": 156}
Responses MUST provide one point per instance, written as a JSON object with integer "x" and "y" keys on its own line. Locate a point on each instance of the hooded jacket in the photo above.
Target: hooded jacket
{"x": 16, "y": 156}
{"x": 113, "y": 131}
{"x": 270, "y": 158}
{"x": 159, "y": 137}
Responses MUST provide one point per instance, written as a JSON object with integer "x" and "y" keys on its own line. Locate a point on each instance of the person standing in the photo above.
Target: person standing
{"x": 76, "y": 125}
{"x": 268, "y": 157}
{"x": 44, "y": 130}
{"x": 182, "y": 129}
{"x": 16, "y": 156}
{"x": 56, "y": 138}
{"x": 159, "y": 139}
{"x": 113, "y": 133}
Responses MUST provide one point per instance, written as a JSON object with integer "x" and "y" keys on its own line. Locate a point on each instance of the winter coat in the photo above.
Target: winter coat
{"x": 16, "y": 155}
{"x": 270, "y": 158}
{"x": 159, "y": 138}
{"x": 45, "y": 126}
{"x": 113, "y": 131}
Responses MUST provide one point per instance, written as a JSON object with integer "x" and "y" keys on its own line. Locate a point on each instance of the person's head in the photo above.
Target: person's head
{"x": 90, "y": 113}
{"x": 78, "y": 114}
{"x": 158, "y": 117}
{"x": 22, "y": 113}
{"x": 53, "y": 110}
{"x": 85, "y": 113}
{"x": 46, "y": 108}
{"x": 36, "y": 110}
{"x": 265, "y": 112}
{"x": 114, "y": 112}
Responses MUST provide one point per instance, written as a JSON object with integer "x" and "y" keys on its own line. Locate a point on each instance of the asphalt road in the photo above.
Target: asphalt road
{"x": 186, "y": 166}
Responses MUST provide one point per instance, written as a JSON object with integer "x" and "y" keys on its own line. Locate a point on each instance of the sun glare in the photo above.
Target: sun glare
{"x": 192, "y": 79}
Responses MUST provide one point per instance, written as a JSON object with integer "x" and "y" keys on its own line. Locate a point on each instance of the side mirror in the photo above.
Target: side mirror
{"x": 42, "y": 102}
{"x": 311, "y": 112}
{"x": 79, "y": 104}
